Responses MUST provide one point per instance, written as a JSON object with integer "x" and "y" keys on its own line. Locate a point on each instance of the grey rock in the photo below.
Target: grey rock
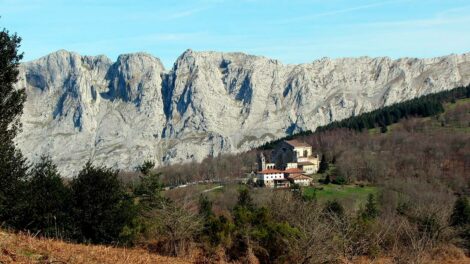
{"x": 121, "y": 113}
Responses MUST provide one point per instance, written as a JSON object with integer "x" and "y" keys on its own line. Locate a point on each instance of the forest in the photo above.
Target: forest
{"x": 424, "y": 106}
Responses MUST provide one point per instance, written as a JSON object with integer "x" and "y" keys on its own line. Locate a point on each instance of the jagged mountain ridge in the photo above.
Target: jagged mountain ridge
{"x": 121, "y": 113}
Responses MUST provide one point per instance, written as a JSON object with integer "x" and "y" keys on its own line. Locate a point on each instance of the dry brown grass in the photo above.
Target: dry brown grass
{"x": 443, "y": 255}
{"x": 21, "y": 248}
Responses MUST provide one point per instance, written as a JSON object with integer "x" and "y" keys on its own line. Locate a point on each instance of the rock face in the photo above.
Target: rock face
{"x": 121, "y": 113}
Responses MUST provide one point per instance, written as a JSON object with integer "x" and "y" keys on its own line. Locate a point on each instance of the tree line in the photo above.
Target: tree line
{"x": 423, "y": 106}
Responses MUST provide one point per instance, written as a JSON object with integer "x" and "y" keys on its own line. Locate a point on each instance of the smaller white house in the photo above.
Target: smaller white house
{"x": 271, "y": 177}
{"x": 300, "y": 179}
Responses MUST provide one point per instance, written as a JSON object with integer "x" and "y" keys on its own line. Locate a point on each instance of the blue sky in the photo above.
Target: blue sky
{"x": 293, "y": 31}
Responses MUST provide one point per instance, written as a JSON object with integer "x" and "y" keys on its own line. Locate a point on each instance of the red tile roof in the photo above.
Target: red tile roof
{"x": 297, "y": 143}
{"x": 293, "y": 170}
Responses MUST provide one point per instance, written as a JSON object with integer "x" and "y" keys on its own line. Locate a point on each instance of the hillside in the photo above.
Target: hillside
{"x": 416, "y": 169}
{"x": 20, "y": 248}
{"x": 121, "y": 113}
{"x": 25, "y": 249}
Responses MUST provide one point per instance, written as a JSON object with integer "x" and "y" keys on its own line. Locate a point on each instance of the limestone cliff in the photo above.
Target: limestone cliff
{"x": 120, "y": 113}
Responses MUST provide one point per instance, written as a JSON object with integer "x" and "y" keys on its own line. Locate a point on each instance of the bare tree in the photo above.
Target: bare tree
{"x": 174, "y": 228}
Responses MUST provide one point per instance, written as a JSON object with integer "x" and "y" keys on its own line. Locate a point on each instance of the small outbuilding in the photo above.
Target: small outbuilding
{"x": 300, "y": 179}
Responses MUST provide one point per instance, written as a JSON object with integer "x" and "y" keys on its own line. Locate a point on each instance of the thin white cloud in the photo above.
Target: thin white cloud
{"x": 463, "y": 10}
{"x": 186, "y": 13}
{"x": 168, "y": 37}
{"x": 336, "y": 12}
{"x": 445, "y": 17}
{"x": 414, "y": 23}
{"x": 18, "y": 6}
{"x": 141, "y": 40}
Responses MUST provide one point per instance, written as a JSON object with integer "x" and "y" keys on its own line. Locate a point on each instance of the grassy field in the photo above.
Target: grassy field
{"x": 450, "y": 106}
{"x": 354, "y": 194}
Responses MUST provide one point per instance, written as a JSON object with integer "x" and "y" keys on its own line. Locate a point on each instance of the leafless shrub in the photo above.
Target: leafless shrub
{"x": 173, "y": 228}
{"x": 316, "y": 242}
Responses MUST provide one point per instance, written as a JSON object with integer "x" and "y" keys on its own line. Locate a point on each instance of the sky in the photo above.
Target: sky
{"x": 292, "y": 31}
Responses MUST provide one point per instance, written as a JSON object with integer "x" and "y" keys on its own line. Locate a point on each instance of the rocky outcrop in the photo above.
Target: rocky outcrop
{"x": 120, "y": 113}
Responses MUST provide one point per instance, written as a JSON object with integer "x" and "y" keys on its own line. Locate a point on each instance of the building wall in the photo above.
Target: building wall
{"x": 291, "y": 165}
{"x": 302, "y": 182}
{"x": 309, "y": 169}
{"x": 270, "y": 166}
{"x": 268, "y": 178}
{"x": 302, "y": 152}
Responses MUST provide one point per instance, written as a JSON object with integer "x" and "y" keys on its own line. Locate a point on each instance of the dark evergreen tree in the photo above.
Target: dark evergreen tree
{"x": 12, "y": 164}
{"x": 48, "y": 200}
{"x": 323, "y": 165}
{"x": 101, "y": 208}
{"x": 216, "y": 229}
{"x": 148, "y": 190}
{"x": 383, "y": 129}
{"x": 461, "y": 213}
{"x": 333, "y": 208}
{"x": 244, "y": 198}
{"x": 339, "y": 179}
{"x": 371, "y": 210}
{"x": 146, "y": 167}
{"x": 243, "y": 215}
{"x": 205, "y": 207}
{"x": 256, "y": 230}
{"x": 327, "y": 179}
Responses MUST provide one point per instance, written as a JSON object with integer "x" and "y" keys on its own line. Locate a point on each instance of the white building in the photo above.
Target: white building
{"x": 271, "y": 178}
{"x": 300, "y": 179}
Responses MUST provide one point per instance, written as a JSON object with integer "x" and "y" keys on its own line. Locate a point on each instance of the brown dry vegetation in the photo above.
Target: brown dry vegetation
{"x": 22, "y": 248}
{"x": 221, "y": 168}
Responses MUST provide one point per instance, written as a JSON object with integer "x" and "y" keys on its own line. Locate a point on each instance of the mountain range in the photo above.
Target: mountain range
{"x": 121, "y": 113}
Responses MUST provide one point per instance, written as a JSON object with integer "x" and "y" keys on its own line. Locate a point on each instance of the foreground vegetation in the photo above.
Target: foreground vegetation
{"x": 26, "y": 248}
{"x": 357, "y": 193}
